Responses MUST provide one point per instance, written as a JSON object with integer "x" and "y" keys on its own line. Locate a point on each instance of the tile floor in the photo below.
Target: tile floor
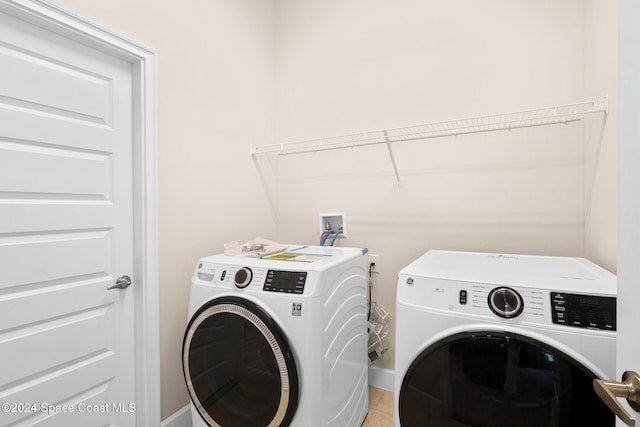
{"x": 380, "y": 408}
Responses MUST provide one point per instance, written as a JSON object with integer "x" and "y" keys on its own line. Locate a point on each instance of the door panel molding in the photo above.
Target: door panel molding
{"x": 56, "y": 19}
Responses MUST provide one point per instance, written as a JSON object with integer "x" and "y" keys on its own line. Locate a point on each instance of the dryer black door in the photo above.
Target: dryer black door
{"x": 497, "y": 379}
{"x": 238, "y": 366}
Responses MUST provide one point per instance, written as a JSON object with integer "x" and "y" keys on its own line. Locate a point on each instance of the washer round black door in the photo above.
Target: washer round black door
{"x": 498, "y": 379}
{"x": 238, "y": 366}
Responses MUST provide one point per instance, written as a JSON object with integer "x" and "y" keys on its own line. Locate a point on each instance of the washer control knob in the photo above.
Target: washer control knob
{"x": 505, "y": 302}
{"x": 243, "y": 277}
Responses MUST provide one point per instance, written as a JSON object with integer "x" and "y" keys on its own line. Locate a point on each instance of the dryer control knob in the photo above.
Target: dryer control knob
{"x": 243, "y": 277}
{"x": 505, "y": 302}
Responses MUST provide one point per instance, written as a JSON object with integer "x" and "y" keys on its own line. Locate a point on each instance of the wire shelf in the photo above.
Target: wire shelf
{"x": 519, "y": 119}
{"x": 513, "y": 120}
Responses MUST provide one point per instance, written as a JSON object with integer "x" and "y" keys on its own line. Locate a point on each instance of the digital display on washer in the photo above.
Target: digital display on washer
{"x": 285, "y": 281}
{"x": 583, "y": 311}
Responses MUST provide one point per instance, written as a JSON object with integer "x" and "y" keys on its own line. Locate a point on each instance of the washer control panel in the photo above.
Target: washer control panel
{"x": 291, "y": 282}
{"x": 583, "y": 311}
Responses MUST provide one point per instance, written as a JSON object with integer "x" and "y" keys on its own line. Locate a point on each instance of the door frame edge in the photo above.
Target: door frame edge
{"x": 48, "y": 15}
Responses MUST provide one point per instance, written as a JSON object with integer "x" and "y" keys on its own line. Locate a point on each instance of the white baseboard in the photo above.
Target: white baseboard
{"x": 180, "y": 418}
{"x": 382, "y": 378}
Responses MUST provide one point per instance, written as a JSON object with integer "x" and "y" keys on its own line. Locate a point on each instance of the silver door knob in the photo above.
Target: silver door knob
{"x": 629, "y": 388}
{"x": 122, "y": 282}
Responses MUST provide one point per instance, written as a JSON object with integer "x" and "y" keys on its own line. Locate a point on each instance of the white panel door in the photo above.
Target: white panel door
{"x": 628, "y": 342}
{"x": 629, "y": 194}
{"x": 66, "y": 232}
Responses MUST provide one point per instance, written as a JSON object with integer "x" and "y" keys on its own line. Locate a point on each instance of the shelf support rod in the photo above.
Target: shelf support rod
{"x": 393, "y": 160}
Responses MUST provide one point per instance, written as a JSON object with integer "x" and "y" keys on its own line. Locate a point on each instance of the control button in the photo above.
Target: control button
{"x": 243, "y": 277}
{"x": 505, "y": 302}
{"x": 223, "y": 275}
{"x": 463, "y": 297}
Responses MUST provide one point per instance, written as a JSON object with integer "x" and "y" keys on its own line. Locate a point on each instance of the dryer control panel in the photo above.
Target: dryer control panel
{"x": 512, "y": 304}
{"x": 583, "y": 311}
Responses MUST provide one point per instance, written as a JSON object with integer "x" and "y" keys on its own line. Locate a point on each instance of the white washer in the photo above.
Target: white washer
{"x": 503, "y": 340}
{"x": 278, "y": 341}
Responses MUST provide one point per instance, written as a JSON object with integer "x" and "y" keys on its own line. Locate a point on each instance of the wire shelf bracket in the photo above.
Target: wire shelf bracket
{"x": 560, "y": 114}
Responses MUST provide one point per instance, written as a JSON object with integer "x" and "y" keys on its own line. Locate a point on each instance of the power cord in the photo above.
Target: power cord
{"x": 370, "y": 280}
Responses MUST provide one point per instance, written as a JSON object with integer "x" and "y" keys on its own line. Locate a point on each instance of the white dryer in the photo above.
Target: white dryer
{"x": 279, "y": 340}
{"x": 503, "y": 340}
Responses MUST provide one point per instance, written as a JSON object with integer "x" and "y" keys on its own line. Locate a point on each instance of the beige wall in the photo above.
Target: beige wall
{"x": 232, "y": 73}
{"x": 362, "y": 65}
{"x": 601, "y": 76}
{"x": 215, "y": 99}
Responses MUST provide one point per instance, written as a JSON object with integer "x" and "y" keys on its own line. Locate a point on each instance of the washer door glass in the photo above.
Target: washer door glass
{"x": 238, "y": 366}
{"x": 498, "y": 379}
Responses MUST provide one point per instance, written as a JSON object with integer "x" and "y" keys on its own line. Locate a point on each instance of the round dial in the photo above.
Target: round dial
{"x": 505, "y": 302}
{"x": 243, "y": 277}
